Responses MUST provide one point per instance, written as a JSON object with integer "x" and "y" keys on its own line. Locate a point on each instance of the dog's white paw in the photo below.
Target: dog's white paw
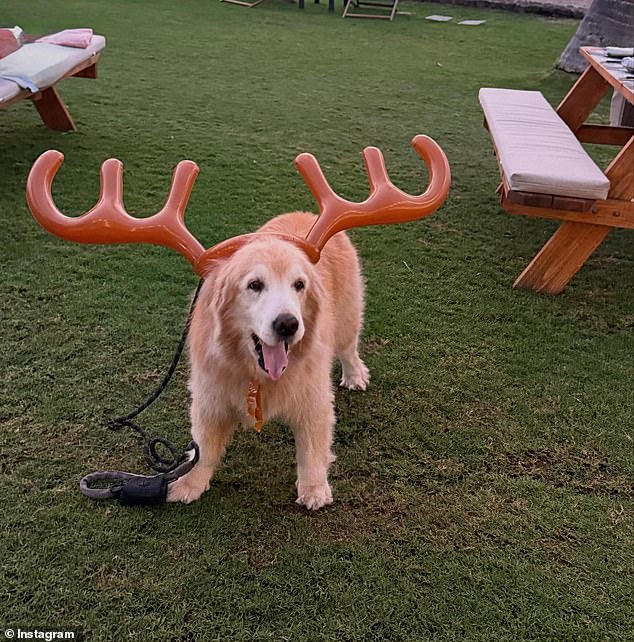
{"x": 356, "y": 378}
{"x": 188, "y": 488}
{"x": 314, "y": 497}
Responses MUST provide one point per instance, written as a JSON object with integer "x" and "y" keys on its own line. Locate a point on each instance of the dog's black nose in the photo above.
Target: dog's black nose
{"x": 285, "y": 325}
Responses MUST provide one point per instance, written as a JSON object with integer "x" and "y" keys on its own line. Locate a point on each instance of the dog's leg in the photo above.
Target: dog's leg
{"x": 313, "y": 443}
{"x": 212, "y": 438}
{"x": 354, "y": 373}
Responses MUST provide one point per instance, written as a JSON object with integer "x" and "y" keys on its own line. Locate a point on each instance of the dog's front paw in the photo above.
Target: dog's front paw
{"x": 356, "y": 378}
{"x": 314, "y": 497}
{"x": 188, "y": 488}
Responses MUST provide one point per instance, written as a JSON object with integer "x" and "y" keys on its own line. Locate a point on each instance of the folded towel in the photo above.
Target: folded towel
{"x": 24, "y": 82}
{"x": 79, "y": 38}
{"x": 8, "y": 42}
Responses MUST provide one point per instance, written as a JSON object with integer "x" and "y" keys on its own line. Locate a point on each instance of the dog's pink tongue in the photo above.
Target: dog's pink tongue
{"x": 275, "y": 359}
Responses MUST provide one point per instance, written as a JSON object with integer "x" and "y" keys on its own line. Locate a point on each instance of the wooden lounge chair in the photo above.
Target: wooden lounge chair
{"x": 242, "y": 3}
{"x": 41, "y": 67}
{"x": 359, "y": 4}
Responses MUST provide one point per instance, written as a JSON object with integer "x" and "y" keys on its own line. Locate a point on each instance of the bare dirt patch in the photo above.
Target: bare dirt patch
{"x": 566, "y": 466}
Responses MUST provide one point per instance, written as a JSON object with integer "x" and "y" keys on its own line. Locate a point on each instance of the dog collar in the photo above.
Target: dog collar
{"x": 254, "y": 405}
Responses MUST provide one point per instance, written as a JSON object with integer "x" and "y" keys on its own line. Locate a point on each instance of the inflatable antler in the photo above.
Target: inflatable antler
{"x": 108, "y": 222}
{"x": 386, "y": 203}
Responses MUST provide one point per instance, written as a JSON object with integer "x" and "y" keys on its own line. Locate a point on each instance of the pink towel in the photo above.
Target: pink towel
{"x": 69, "y": 38}
{"x": 8, "y": 42}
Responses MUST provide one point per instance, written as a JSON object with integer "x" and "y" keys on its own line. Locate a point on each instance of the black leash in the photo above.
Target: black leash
{"x": 132, "y": 489}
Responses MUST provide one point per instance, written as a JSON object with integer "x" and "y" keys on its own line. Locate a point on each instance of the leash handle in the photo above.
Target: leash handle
{"x": 147, "y": 490}
{"x": 138, "y": 490}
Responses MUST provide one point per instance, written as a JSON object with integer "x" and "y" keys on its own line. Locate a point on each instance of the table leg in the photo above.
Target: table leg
{"x": 53, "y": 111}
{"x": 582, "y": 98}
{"x": 562, "y": 257}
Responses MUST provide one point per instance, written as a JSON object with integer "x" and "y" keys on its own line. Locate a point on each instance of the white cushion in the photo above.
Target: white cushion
{"x": 36, "y": 66}
{"x": 536, "y": 149}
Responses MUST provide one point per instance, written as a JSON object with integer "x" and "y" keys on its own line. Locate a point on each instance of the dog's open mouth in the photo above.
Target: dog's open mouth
{"x": 272, "y": 359}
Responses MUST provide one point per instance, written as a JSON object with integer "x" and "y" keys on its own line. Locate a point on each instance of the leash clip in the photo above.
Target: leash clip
{"x": 139, "y": 490}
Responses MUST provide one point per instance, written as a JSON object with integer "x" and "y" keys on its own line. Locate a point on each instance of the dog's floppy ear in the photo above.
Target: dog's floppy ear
{"x": 214, "y": 295}
{"x": 225, "y": 289}
{"x": 219, "y": 283}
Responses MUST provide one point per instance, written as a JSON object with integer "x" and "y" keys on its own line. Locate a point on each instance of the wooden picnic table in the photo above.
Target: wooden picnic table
{"x": 580, "y": 234}
{"x": 547, "y": 173}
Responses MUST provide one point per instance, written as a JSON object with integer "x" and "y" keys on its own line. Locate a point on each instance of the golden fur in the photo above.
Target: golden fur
{"x": 329, "y": 310}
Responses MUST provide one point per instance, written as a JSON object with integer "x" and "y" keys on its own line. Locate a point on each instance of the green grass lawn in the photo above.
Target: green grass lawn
{"x": 484, "y": 481}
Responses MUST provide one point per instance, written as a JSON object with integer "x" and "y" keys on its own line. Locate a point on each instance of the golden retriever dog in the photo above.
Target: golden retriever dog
{"x": 269, "y": 315}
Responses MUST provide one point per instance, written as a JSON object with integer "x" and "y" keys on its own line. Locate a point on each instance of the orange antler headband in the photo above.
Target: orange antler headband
{"x": 108, "y": 222}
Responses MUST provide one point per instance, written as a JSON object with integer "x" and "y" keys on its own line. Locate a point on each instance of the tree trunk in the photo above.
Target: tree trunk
{"x": 608, "y": 22}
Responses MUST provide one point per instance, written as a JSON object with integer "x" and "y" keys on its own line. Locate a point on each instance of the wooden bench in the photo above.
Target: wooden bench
{"x": 547, "y": 173}
{"x": 42, "y": 67}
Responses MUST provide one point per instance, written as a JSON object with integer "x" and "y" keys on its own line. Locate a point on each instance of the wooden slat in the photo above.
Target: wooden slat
{"x": 566, "y": 203}
{"x": 609, "y": 213}
{"x": 605, "y": 134}
{"x": 376, "y": 16}
{"x": 531, "y": 199}
{"x": 570, "y": 204}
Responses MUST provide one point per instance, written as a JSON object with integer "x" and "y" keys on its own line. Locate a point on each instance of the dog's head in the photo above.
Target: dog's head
{"x": 267, "y": 298}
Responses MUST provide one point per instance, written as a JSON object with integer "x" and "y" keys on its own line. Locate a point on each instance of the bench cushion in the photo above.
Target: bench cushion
{"x": 536, "y": 150}
{"x": 37, "y": 66}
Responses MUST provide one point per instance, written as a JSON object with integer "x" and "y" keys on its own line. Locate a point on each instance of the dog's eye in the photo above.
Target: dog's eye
{"x": 256, "y": 285}
{"x": 299, "y": 285}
